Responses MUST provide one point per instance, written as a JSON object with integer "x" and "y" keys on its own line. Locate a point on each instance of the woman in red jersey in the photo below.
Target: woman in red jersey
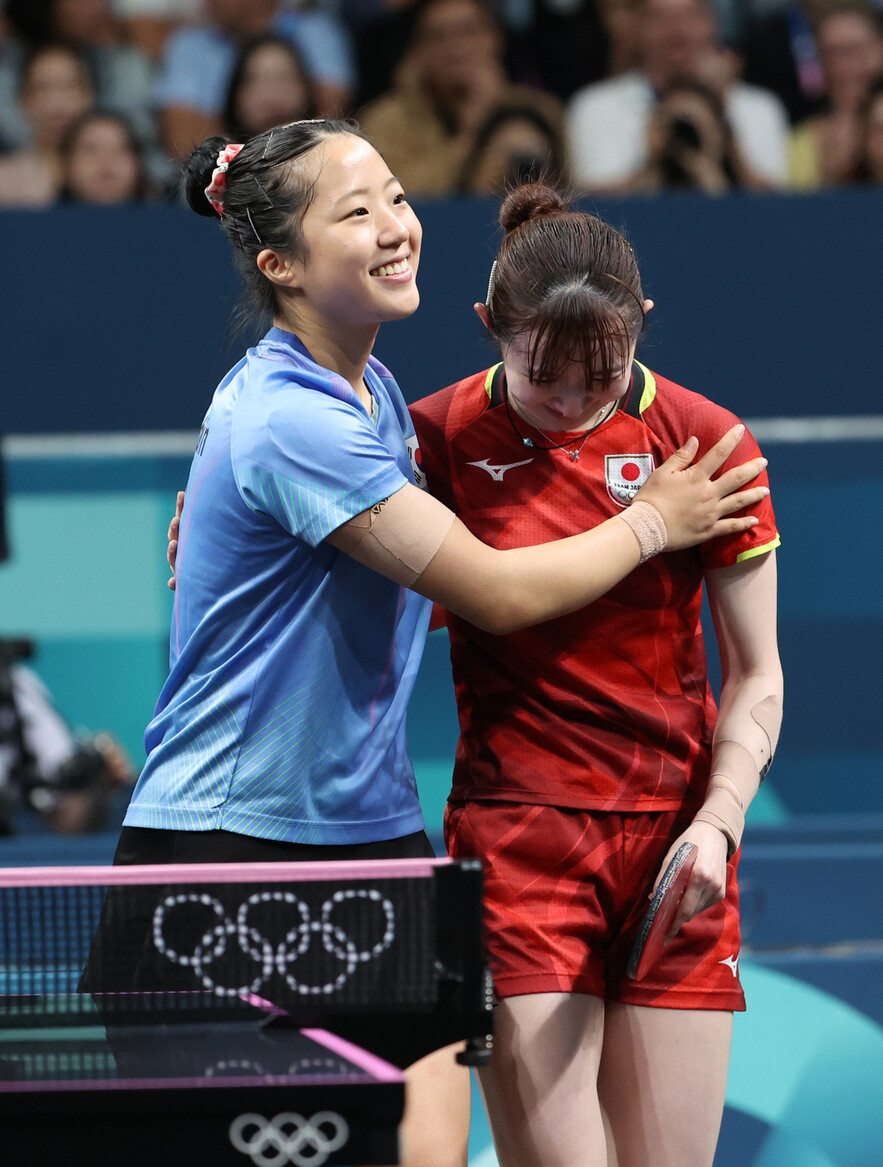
{"x": 590, "y": 746}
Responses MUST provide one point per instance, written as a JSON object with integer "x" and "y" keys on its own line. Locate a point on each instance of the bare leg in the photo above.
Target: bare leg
{"x": 662, "y": 1083}
{"x": 540, "y": 1087}
{"x": 435, "y": 1129}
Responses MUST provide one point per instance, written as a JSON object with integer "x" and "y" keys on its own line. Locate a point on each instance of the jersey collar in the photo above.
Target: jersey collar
{"x": 641, "y": 391}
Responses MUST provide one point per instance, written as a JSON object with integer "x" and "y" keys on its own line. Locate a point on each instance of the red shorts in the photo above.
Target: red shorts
{"x": 565, "y": 891}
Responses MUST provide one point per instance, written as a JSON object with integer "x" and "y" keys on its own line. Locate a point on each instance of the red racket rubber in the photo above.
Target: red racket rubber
{"x": 662, "y": 910}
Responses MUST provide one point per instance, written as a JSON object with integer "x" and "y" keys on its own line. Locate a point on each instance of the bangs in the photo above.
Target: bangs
{"x": 584, "y": 329}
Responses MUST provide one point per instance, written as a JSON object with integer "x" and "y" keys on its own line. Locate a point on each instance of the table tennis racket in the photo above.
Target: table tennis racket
{"x": 663, "y": 907}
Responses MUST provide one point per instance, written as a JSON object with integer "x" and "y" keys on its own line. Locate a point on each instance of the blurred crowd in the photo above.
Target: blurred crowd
{"x": 99, "y": 98}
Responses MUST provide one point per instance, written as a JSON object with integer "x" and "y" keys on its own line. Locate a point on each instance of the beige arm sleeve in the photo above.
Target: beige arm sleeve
{"x": 739, "y": 767}
{"x": 398, "y": 536}
{"x": 743, "y": 604}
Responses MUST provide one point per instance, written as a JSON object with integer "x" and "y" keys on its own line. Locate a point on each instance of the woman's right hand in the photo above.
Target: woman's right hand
{"x": 694, "y": 505}
{"x": 172, "y": 536}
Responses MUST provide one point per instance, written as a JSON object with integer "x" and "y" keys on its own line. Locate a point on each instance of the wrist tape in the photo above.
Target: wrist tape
{"x": 648, "y": 527}
{"x": 734, "y": 781}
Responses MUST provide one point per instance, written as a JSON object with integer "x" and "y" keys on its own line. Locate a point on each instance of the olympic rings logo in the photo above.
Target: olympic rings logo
{"x": 301, "y": 1066}
{"x": 289, "y": 1138}
{"x": 271, "y": 956}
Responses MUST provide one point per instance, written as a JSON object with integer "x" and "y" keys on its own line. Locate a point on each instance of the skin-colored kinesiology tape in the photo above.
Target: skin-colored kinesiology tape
{"x": 648, "y": 527}
{"x": 738, "y": 770}
{"x": 398, "y": 536}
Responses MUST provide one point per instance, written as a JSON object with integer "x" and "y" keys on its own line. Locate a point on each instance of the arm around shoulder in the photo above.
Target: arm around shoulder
{"x": 416, "y": 541}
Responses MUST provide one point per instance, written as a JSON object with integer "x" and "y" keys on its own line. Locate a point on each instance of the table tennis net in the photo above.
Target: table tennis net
{"x": 340, "y": 941}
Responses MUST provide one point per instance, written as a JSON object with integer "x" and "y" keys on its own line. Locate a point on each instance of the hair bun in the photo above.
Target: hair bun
{"x": 533, "y": 200}
{"x": 196, "y": 174}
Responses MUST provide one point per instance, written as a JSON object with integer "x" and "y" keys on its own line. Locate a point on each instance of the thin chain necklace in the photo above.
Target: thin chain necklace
{"x": 531, "y": 444}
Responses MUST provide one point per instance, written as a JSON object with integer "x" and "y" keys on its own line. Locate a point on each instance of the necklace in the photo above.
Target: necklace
{"x": 531, "y": 444}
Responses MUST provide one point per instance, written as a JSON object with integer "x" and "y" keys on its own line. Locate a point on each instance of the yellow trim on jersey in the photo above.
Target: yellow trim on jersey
{"x": 649, "y": 388}
{"x": 750, "y": 554}
{"x": 489, "y": 379}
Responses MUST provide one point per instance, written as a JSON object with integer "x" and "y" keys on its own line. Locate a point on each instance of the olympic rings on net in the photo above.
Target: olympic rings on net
{"x": 273, "y": 957}
{"x": 284, "y": 1138}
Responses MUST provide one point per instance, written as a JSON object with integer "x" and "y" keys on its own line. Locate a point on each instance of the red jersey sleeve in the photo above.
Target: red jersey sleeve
{"x": 678, "y": 413}
{"x": 711, "y": 423}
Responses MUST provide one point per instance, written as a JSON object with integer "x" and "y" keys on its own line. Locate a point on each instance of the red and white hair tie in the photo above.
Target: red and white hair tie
{"x": 214, "y": 192}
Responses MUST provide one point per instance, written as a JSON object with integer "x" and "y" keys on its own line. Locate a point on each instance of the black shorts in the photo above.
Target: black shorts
{"x": 146, "y": 845}
{"x": 401, "y": 1040}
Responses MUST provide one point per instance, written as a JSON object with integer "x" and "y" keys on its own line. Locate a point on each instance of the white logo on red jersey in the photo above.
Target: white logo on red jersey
{"x": 497, "y": 472}
{"x": 626, "y": 474}
{"x": 732, "y": 963}
{"x": 416, "y": 461}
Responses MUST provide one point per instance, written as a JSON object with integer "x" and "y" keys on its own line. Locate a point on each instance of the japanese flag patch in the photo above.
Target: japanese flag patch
{"x": 416, "y": 461}
{"x": 625, "y": 474}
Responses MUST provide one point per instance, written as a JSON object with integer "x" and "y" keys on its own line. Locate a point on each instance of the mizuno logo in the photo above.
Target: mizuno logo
{"x": 497, "y": 472}
{"x": 732, "y": 963}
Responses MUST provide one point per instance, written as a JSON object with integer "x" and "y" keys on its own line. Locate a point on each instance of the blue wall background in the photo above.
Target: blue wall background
{"x": 120, "y": 320}
{"x": 118, "y": 323}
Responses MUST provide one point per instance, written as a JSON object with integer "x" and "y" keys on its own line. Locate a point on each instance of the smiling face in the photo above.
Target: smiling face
{"x": 362, "y": 242}
{"x": 569, "y": 403}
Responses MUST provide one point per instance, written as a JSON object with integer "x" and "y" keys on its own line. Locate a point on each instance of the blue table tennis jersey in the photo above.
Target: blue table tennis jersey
{"x": 291, "y": 665}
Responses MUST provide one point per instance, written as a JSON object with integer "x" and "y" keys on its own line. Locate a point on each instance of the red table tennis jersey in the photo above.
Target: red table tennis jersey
{"x": 608, "y": 708}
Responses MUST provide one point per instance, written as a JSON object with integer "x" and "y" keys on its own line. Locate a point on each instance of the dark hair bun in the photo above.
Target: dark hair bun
{"x": 196, "y": 174}
{"x": 531, "y": 201}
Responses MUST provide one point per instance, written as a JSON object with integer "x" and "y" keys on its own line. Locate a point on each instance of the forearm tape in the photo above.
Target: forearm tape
{"x": 398, "y": 536}
{"x": 737, "y": 770}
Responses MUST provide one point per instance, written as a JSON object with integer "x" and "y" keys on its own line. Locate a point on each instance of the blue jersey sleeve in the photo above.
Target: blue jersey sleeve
{"x": 314, "y": 464}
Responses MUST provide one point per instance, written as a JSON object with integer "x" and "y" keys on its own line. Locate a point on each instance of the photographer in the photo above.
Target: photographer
{"x": 44, "y": 768}
{"x": 690, "y": 145}
{"x": 514, "y": 144}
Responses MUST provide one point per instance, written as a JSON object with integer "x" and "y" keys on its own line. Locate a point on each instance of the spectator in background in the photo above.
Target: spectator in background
{"x": 620, "y": 18}
{"x": 269, "y": 87}
{"x": 199, "y": 60}
{"x": 149, "y": 22}
{"x": 825, "y": 147}
{"x": 13, "y": 128}
{"x": 558, "y": 45}
{"x": 515, "y": 144}
{"x": 608, "y": 121}
{"x": 451, "y": 78}
{"x": 381, "y": 31}
{"x": 122, "y": 74}
{"x": 55, "y": 90}
{"x": 779, "y": 52}
{"x": 102, "y": 162}
{"x": 868, "y": 169}
{"x": 691, "y": 146}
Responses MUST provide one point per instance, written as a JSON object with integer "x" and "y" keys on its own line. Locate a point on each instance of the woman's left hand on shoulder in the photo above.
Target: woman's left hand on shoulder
{"x": 708, "y": 881}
